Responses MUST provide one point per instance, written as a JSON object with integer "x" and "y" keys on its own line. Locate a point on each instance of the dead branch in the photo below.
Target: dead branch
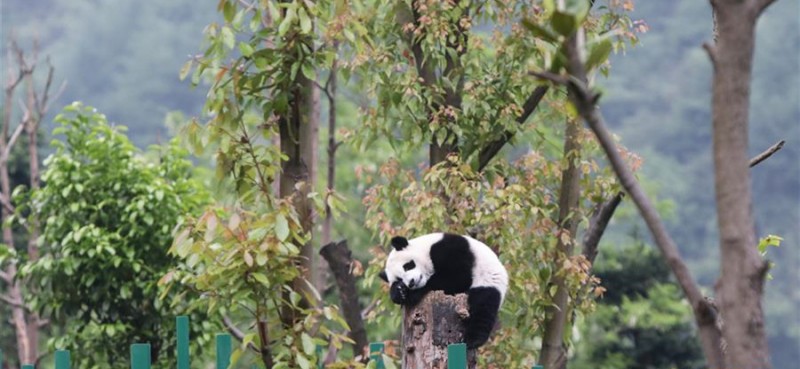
{"x": 767, "y": 153}
{"x": 338, "y": 256}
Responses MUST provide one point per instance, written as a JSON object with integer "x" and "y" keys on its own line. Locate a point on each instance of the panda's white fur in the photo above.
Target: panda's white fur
{"x": 453, "y": 264}
{"x": 487, "y": 272}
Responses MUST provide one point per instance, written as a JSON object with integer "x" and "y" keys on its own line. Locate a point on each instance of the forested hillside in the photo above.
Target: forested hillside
{"x": 124, "y": 57}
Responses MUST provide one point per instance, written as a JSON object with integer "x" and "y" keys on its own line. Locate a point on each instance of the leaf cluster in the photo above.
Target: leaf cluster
{"x": 107, "y": 214}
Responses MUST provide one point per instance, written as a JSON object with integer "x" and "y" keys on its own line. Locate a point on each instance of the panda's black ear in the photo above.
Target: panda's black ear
{"x": 384, "y": 276}
{"x": 399, "y": 242}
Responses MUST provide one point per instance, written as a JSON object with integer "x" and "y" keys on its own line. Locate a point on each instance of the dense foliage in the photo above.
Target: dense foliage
{"x": 107, "y": 213}
{"x": 642, "y": 321}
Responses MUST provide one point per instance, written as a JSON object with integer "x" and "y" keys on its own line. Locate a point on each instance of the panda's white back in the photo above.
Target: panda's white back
{"x": 488, "y": 270}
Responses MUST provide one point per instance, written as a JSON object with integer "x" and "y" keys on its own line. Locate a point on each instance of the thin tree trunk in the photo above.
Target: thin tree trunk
{"x": 740, "y": 288}
{"x": 554, "y": 350}
{"x": 295, "y": 136}
{"x": 14, "y": 292}
{"x": 35, "y": 114}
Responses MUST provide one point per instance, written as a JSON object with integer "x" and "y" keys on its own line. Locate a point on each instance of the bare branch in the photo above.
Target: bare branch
{"x": 5, "y": 276}
{"x": 236, "y": 332}
{"x": 12, "y": 302}
{"x": 767, "y": 153}
{"x": 598, "y": 224}
{"x": 11, "y": 141}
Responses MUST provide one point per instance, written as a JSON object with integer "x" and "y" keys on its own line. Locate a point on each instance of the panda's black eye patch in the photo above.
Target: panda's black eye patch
{"x": 409, "y": 265}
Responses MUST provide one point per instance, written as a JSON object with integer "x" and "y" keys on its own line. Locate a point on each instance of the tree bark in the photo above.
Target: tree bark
{"x": 554, "y": 350}
{"x": 295, "y": 138}
{"x": 340, "y": 259}
{"x": 740, "y": 287}
{"x": 430, "y": 327}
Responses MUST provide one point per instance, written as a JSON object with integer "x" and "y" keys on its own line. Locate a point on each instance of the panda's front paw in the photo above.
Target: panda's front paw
{"x": 399, "y": 293}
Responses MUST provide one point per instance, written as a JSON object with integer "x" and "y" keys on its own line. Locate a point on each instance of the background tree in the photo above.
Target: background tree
{"x": 17, "y": 167}
{"x": 107, "y": 214}
{"x": 743, "y": 268}
{"x": 251, "y": 255}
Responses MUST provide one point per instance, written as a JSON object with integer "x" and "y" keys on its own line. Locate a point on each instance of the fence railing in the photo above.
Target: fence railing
{"x": 140, "y": 352}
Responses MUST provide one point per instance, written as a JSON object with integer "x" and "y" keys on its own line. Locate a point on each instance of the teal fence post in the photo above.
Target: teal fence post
{"x": 27, "y": 366}
{"x": 140, "y": 356}
{"x": 62, "y": 359}
{"x": 457, "y": 356}
{"x": 182, "y": 332}
{"x": 538, "y": 367}
{"x": 376, "y": 354}
{"x": 223, "y": 351}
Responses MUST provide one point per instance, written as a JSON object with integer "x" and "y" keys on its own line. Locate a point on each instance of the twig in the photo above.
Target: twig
{"x": 767, "y": 153}
{"x": 13, "y": 139}
{"x": 236, "y": 332}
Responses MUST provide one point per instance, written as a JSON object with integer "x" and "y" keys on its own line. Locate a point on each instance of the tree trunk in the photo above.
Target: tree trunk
{"x": 430, "y": 327}
{"x": 296, "y": 136}
{"x": 339, "y": 258}
{"x": 741, "y": 285}
{"x": 554, "y": 350}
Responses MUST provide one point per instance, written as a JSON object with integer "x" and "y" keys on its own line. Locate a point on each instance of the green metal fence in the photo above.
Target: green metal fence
{"x": 140, "y": 352}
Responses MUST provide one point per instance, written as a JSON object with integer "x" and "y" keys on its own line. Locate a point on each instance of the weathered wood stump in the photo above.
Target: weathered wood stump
{"x": 437, "y": 321}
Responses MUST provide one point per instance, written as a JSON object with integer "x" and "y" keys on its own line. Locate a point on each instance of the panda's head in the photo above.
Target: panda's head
{"x": 408, "y": 267}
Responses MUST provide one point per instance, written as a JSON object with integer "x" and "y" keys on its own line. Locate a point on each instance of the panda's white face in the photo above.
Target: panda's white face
{"x": 411, "y": 265}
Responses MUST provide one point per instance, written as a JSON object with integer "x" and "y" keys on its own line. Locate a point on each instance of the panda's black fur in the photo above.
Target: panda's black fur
{"x": 452, "y": 264}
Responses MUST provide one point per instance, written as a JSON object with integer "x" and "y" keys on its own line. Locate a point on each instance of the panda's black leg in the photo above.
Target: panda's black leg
{"x": 484, "y": 302}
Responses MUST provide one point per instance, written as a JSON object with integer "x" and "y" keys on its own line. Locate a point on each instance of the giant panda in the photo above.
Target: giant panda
{"x": 453, "y": 264}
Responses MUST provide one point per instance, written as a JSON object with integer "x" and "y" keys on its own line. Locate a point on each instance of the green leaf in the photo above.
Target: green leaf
{"x": 246, "y": 49}
{"x": 308, "y": 71}
{"x": 564, "y": 23}
{"x": 308, "y": 344}
{"x": 305, "y": 21}
{"x": 303, "y": 362}
{"x": 281, "y": 227}
{"x": 228, "y": 38}
{"x": 287, "y": 22}
{"x": 228, "y": 11}
{"x": 598, "y": 54}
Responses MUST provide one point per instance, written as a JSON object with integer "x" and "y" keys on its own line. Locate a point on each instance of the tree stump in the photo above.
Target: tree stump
{"x": 437, "y": 321}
